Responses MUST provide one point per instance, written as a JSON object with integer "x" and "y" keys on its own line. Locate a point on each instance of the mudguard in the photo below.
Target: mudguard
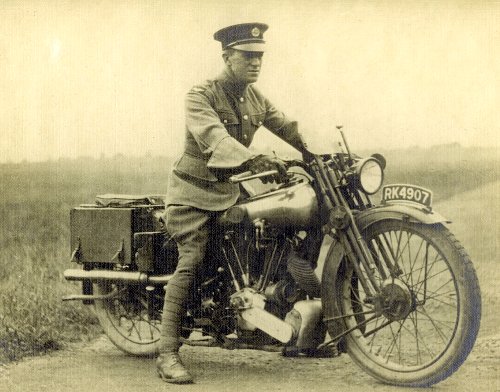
{"x": 398, "y": 211}
{"x": 364, "y": 219}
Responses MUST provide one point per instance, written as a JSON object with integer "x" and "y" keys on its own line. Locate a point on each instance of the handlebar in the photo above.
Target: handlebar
{"x": 248, "y": 175}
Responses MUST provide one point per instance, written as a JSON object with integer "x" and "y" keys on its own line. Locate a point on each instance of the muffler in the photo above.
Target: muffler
{"x": 129, "y": 277}
{"x": 250, "y": 306}
{"x": 268, "y": 323}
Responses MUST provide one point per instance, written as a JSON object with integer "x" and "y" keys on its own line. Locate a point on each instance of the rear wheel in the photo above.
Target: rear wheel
{"x": 130, "y": 319}
{"x": 422, "y": 325}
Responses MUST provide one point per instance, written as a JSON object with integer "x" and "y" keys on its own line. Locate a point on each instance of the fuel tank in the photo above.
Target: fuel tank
{"x": 293, "y": 205}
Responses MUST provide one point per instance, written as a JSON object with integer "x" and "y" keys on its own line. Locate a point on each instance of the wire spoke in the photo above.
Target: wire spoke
{"x": 445, "y": 324}
{"x": 430, "y": 277}
{"x": 131, "y": 319}
{"x": 393, "y": 342}
{"x": 436, "y": 290}
{"x": 419, "y": 338}
{"x": 436, "y": 327}
{"x": 427, "y": 277}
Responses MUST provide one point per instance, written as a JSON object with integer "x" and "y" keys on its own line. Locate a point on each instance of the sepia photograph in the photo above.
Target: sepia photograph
{"x": 259, "y": 195}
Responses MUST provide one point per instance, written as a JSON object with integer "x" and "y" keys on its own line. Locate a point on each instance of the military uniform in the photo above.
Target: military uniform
{"x": 222, "y": 118}
{"x": 221, "y": 122}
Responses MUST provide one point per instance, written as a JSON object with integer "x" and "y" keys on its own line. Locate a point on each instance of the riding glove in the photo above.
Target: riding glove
{"x": 262, "y": 163}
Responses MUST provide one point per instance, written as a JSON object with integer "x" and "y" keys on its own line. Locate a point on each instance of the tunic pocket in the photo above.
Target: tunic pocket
{"x": 258, "y": 119}
{"x": 230, "y": 121}
{"x": 228, "y": 118}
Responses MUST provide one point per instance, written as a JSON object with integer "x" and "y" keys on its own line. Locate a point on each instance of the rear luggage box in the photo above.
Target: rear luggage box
{"x": 117, "y": 229}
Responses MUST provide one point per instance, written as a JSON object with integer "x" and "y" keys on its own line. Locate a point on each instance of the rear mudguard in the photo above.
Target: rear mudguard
{"x": 333, "y": 262}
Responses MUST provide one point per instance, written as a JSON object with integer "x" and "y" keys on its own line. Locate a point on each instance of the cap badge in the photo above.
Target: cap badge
{"x": 255, "y": 32}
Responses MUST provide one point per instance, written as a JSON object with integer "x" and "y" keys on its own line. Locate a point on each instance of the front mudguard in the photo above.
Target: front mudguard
{"x": 399, "y": 212}
{"x": 332, "y": 270}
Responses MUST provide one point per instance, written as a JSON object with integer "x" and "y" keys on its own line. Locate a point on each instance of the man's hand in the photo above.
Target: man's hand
{"x": 264, "y": 163}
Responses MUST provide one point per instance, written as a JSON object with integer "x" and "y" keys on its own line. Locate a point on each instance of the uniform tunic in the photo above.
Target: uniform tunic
{"x": 221, "y": 121}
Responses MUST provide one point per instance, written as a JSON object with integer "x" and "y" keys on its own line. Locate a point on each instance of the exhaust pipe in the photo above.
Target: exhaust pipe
{"x": 129, "y": 277}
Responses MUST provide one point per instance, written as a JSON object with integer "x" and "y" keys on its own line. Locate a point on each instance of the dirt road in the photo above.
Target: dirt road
{"x": 101, "y": 367}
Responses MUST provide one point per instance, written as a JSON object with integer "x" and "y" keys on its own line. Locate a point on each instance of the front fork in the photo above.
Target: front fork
{"x": 342, "y": 220}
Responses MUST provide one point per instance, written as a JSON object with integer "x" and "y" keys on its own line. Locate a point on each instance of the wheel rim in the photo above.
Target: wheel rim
{"x": 128, "y": 314}
{"x": 414, "y": 319}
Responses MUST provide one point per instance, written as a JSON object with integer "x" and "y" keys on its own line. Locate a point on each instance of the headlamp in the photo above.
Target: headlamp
{"x": 370, "y": 174}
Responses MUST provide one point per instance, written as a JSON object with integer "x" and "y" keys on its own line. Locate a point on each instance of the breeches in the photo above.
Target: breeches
{"x": 190, "y": 228}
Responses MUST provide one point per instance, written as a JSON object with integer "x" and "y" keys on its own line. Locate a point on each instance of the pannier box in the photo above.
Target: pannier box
{"x": 102, "y": 233}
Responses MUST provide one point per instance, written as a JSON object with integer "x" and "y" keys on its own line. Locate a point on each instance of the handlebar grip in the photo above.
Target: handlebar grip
{"x": 248, "y": 175}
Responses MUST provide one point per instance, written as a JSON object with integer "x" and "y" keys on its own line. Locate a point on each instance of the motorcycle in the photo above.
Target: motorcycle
{"x": 398, "y": 292}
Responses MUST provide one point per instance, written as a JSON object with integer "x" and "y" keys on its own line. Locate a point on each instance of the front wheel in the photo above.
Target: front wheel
{"x": 422, "y": 325}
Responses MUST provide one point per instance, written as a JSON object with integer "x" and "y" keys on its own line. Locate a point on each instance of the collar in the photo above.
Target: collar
{"x": 230, "y": 85}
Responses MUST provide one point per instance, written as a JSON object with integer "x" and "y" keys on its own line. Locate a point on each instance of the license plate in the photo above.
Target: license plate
{"x": 407, "y": 193}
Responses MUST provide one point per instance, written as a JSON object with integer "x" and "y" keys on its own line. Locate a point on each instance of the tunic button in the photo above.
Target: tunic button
{"x": 245, "y": 137}
{"x": 242, "y": 99}
{"x": 225, "y": 121}
{"x": 245, "y": 116}
{"x": 260, "y": 122}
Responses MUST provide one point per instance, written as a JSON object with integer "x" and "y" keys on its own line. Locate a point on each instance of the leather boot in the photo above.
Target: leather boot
{"x": 171, "y": 369}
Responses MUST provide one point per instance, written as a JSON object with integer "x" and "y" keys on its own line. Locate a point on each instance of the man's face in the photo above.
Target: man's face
{"x": 245, "y": 65}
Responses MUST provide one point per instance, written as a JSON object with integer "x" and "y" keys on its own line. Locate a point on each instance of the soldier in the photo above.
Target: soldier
{"x": 222, "y": 117}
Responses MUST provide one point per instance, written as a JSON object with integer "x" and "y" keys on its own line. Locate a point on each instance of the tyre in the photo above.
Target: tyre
{"x": 424, "y": 321}
{"x": 130, "y": 319}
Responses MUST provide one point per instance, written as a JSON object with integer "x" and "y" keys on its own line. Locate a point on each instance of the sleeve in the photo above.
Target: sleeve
{"x": 210, "y": 134}
{"x": 281, "y": 126}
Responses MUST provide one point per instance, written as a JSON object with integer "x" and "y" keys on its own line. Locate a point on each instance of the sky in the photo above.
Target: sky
{"x": 99, "y": 78}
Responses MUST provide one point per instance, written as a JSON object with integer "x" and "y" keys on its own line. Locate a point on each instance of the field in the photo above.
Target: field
{"x": 34, "y": 233}
{"x": 34, "y": 245}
